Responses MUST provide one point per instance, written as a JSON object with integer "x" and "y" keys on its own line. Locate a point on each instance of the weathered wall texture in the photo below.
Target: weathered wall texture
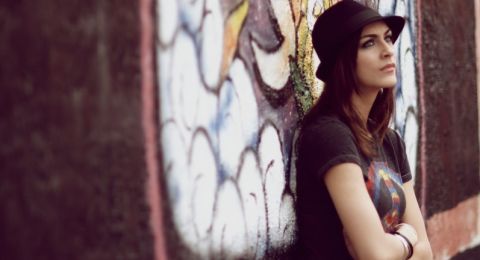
{"x": 72, "y": 158}
{"x": 449, "y": 46}
{"x": 451, "y": 152}
{"x": 145, "y": 129}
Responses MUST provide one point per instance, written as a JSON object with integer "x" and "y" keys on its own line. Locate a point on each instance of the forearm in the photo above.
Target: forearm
{"x": 422, "y": 251}
{"x": 360, "y": 220}
{"x": 395, "y": 247}
{"x": 388, "y": 247}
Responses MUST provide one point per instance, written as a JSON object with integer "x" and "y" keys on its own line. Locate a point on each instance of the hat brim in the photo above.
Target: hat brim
{"x": 394, "y": 22}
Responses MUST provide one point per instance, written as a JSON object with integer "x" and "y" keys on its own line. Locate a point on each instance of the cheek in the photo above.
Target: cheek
{"x": 364, "y": 71}
{"x": 363, "y": 66}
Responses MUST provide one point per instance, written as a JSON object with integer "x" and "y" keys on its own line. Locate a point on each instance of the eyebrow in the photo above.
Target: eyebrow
{"x": 375, "y": 35}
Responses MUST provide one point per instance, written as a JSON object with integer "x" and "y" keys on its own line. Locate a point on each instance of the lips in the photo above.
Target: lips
{"x": 389, "y": 66}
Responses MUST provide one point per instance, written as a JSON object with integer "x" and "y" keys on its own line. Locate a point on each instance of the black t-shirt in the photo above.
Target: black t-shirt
{"x": 327, "y": 142}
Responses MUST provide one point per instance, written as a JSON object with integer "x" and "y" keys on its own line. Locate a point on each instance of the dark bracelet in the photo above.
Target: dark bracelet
{"x": 410, "y": 247}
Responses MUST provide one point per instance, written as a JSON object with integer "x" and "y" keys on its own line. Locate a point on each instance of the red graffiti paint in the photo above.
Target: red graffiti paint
{"x": 149, "y": 126}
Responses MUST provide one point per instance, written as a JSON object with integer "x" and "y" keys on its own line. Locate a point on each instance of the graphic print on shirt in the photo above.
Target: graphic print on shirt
{"x": 385, "y": 188}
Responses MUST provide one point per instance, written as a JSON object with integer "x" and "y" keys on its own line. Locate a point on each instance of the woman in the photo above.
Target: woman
{"x": 354, "y": 186}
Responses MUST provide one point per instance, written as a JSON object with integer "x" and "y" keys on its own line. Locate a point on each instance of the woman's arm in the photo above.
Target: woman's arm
{"x": 413, "y": 216}
{"x": 359, "y": 217}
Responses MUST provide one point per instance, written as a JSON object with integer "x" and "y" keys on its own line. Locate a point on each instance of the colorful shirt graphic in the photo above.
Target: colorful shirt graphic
{"x": 385, "y": 188}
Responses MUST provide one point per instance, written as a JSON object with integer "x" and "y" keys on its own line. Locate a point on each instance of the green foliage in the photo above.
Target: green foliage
{"x": 303, "y": 96}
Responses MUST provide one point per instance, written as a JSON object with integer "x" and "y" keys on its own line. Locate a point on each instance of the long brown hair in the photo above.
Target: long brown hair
{"x": 336, "y": 98}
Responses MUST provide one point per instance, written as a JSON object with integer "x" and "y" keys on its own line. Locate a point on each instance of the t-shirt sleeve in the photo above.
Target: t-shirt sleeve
{"x": 327, "y": 144}
{"x": 402, "y": 158}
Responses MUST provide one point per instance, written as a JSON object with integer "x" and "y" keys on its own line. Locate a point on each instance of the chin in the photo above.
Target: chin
{"x": 384, "y": 85}
{"x": 388, "y": 83}
{"x": 392, "y": 85}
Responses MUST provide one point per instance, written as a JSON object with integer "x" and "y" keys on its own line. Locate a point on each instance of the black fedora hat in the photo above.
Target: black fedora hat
{"x": 336, "y": 24}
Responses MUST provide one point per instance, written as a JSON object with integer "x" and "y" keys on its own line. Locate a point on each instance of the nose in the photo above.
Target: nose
{"x": 387, "y": 50}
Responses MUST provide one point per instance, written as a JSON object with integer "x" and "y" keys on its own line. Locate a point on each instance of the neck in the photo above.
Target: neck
{"x": 363, "y": 102}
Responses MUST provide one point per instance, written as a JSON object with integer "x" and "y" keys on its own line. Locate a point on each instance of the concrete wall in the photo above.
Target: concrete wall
{"x": 450, "y": 153}
{"x": 72, "y": 161}
{"x": 163, "y": 129}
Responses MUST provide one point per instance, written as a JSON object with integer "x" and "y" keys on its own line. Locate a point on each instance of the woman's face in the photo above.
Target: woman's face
{"x": 375, "y": 58}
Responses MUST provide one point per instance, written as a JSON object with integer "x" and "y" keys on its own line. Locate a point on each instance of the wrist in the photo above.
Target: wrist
{"x": 408, "y": 232}
{"x": 407, "y": 245}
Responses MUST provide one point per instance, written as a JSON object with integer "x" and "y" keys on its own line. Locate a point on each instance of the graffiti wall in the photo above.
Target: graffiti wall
{"x": 226, "y": 120}
{"x": 234, "y": 78}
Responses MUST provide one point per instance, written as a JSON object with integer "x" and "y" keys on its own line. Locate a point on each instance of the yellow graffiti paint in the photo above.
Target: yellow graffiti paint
{"x": 328, "y": 3}
{"x": 233, "y": 27}
{"x": 304, "y": 6}
{"x": 305, "y": 57}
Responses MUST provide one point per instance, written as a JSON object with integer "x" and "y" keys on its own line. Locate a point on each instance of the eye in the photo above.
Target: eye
{"x": 368, "y": 44}
{"x": 389, "y": 38}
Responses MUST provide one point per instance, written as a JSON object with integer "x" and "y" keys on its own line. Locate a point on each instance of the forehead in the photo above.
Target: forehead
{"x": 379, "y": 27}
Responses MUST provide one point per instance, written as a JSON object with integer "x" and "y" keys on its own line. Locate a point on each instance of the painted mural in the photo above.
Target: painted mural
{"x": 234, "y": 78}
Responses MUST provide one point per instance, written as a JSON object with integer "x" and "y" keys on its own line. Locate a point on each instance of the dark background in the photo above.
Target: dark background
{"x": 448, "y": 45}
{"x": 72, "y": 157}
